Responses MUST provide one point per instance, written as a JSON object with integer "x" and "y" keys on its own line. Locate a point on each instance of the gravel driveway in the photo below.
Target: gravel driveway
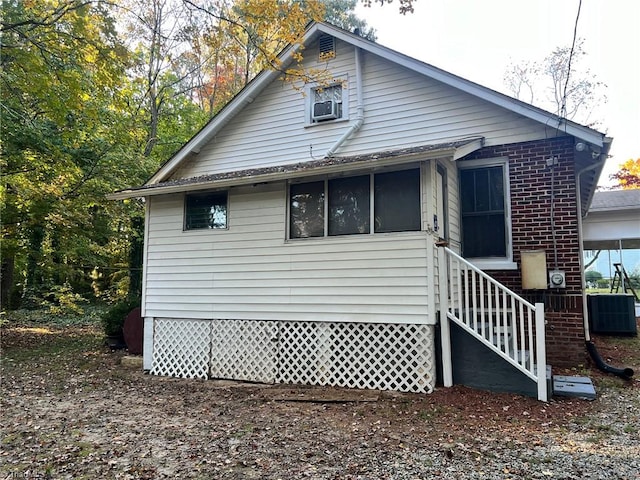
{"x": 77, "y": 412}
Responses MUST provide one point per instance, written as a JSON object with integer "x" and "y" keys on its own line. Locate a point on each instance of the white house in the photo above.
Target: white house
{"x": 337, "y": 236}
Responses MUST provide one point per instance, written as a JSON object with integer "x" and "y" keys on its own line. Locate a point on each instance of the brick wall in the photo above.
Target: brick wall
{"x": 530, "y": 187}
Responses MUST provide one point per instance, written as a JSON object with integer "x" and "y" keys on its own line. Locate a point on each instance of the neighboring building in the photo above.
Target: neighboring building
{"x": 613, "y": 221}
{"x": 314, "y": 237}
{"x": 612, "y": 227}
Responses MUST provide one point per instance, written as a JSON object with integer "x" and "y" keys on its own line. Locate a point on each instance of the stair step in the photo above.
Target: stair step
{"x": 575, "y": 387}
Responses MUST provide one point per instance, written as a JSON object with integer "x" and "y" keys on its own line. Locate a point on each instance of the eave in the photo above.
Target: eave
{"x": 327, "y": 166}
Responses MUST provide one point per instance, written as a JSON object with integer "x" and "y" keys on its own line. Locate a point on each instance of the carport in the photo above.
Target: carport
{"x": 613, "y": 224}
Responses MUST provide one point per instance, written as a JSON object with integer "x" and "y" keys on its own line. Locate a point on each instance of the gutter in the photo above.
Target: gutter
{"x": 360, "y": 107}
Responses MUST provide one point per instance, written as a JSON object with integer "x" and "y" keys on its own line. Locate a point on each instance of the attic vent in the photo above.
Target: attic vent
{"x": 327, "y": 48}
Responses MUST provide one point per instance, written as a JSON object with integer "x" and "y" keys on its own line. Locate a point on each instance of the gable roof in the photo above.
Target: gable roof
{"x": 262, "y": 80}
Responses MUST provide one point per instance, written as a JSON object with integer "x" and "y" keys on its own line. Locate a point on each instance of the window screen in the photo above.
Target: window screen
{"x": 206, "y": 210}
{"x": 483, "y": 212}
{"x": 349, "y": 207}
{"x": 397, "y": 201}
{"x": 306, "y": 207}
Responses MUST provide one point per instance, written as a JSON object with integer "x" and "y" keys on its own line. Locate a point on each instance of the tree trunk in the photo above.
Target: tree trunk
{"x": 136, "y": 257}
{"x": 35, "y": 277}
{"x": 6, "y": 281}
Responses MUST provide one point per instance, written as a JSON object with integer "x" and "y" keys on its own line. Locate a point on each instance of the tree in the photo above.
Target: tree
{"x": 69, "y": 137}
{"x": 628, "y": 177}
{"x": 405, "y": 6}
{"x": 591, "y": 276}
{"x": 95, "y": 95}
{"x": 559, "y": 84}
{"x": 61, "y": 70}
{"x": 340, "y": 13}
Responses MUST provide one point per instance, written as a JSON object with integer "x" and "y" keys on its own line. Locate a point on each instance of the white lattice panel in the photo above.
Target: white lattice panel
{"x": 181, "y": 348}
{"x": 376, "y": 356}
{"x": 244, "y": 350}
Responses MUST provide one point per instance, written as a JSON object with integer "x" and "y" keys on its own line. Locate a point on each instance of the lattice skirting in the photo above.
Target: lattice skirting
{"x": 181, "y": 348}
{"x": 396, "y": 357}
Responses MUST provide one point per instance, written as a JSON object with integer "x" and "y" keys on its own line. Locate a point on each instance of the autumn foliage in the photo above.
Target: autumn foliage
{"x": 628, "y": 177}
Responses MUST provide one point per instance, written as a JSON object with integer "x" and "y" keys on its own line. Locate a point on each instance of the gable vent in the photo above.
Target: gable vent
{"x": 327, "y": 48}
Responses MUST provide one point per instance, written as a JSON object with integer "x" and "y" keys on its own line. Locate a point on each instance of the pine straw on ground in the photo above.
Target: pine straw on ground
{"x": 70, "y": 409}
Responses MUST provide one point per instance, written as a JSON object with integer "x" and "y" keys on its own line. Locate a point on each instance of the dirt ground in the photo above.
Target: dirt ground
{"x": 71, "y": 409}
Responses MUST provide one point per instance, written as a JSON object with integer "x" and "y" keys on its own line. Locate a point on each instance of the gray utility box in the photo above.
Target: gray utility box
{"x": 612, "y": 314}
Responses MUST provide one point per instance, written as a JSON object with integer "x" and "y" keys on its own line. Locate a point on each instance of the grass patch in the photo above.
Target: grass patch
{"x": 35, "y": 340}
{"x": 91, "y": 315}
{"x": 36, "y": 344}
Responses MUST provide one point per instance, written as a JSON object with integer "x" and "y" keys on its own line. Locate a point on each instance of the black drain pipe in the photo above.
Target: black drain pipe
{"x": 624, "y": 373}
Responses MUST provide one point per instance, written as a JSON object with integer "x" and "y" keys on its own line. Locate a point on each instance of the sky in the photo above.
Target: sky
{"x": 479, "y": 39}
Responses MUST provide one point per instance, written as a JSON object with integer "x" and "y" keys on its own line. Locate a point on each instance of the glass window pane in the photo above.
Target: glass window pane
{"x": 484, "y": 236}
{"x": 397, "y": 201}
{"x": 467, "y": 191}
{"x": 333, "y": 92}
{"x": 497, "y": 189}
{"x": 483, "y": 212}
{"x": 207, "y": 210}
{"x": 336, "y": 93}
{"x": 306, "y": 207}
{"x": 349, "y": 211}
{"x": 481, "y": 185}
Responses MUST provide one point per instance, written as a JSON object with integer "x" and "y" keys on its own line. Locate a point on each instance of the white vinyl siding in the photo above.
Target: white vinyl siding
{"x": 250, "y": 272}
{"x": 402, "y": 109}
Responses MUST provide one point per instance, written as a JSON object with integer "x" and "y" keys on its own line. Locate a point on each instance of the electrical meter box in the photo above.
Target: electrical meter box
{"x": 533, "y": 264}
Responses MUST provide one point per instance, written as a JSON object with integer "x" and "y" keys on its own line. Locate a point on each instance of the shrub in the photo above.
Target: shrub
{"x": 113, "y": 319}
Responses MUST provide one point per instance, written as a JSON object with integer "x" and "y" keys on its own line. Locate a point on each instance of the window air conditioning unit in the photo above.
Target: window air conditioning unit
{"x": 327, "y": 110}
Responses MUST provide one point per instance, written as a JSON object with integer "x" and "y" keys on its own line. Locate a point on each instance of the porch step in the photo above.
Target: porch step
{"x": 576, "y": 387}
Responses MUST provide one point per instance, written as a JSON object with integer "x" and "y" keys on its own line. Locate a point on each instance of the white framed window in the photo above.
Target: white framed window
{"x": 361, "y": 204}
{"x": 205, "y": 210}
{"x": 485, "y": 214}
{"x": 326, "y": 103}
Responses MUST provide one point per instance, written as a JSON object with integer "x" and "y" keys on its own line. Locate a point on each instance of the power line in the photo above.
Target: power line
{"x": 563, "y": 108}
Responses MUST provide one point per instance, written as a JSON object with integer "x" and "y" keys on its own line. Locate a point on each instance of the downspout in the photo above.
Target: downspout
{"x": 585, "y": 314}
{"x": 360, "y": 107}
{"x": 624, "y": 373}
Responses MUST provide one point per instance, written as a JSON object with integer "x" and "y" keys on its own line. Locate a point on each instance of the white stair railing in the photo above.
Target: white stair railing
{"x": 494, "y": 315}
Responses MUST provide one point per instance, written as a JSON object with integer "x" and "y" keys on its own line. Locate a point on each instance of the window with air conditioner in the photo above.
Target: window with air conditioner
{"x": 326, "y": 103}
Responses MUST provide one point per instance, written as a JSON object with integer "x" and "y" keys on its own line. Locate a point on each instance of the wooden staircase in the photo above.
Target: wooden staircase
{"x": 495, "y": 317}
